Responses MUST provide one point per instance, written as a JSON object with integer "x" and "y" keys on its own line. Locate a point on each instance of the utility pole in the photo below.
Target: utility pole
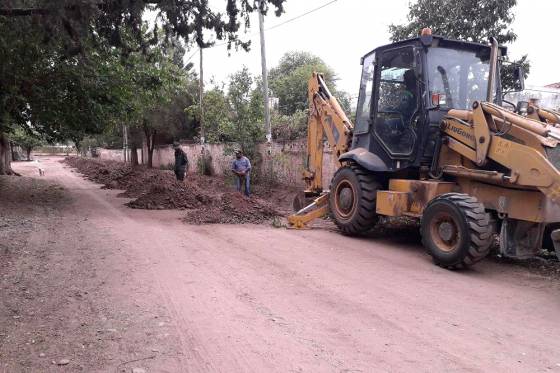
{"x": 264, "y": 76}
{"x": 201, "y": 97}
{"x": 125, "y": 143}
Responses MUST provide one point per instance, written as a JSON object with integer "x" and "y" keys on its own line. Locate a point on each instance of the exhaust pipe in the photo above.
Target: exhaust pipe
{"x": 493, "y": 70}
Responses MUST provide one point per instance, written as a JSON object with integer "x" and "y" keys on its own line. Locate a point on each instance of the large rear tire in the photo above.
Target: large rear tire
{"x": 456, "y": 230}
{"x": 352, "y": 200}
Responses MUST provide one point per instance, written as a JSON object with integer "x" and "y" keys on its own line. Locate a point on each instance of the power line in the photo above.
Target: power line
{"x": 301, "y": 15}
{"x": 191, "y": 56}
{"x": 272, "y": 27}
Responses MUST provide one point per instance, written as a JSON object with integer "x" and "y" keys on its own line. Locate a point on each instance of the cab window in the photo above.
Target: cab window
{"x": 366, "y": 91}
{"x": 397, "y": 102}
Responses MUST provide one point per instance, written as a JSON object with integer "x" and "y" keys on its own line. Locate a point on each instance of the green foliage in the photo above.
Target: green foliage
{"x": 288, "y": 81}
{"x": 157, "y": 89}
{"x": 507, "y": 73}
{"x": 74, "y": 23}
{"x": 45, "y": 91}
{"x": 468, "y": 20}
{"x": 75, "y": 68}
{"x": 235, "y": 116}
{"x": 289, "y": 127}
{"x": 247, "y": 118}
{"x": 216, "y": 114}
{"x": 26, "y": 140}
{"x": 89, "y": 143}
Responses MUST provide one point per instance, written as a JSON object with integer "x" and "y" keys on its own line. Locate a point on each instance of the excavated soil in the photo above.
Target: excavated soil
{"x": 232, "y": 208}
{"x": 208, "y": 200}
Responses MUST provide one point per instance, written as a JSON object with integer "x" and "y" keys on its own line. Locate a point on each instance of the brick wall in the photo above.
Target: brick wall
{"x": 286, "y": 159}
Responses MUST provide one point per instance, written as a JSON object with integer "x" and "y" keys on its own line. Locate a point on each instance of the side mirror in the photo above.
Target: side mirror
{"x": 519, "y": 77}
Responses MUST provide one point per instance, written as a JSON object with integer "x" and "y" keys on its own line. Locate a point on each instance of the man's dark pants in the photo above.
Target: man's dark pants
{"x": 180, "y": 173}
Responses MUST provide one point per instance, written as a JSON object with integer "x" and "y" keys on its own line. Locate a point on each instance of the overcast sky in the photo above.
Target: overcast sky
{"x": 343, "y": 31}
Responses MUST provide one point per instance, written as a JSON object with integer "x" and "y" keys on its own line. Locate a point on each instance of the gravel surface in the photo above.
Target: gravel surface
{"x": 90, "y": 285}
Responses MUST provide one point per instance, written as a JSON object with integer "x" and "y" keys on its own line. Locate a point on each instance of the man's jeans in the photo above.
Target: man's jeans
{"x": 243, "y": 180}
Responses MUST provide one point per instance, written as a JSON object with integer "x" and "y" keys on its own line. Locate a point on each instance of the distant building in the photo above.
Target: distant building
{"x": 547, "y": 96}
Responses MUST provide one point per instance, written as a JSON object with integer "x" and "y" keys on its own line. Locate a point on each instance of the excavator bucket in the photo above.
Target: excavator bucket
{"x": 318, "y": 209}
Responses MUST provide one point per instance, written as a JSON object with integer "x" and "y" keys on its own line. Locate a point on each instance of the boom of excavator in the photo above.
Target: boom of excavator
{"x": 488, "y": 170}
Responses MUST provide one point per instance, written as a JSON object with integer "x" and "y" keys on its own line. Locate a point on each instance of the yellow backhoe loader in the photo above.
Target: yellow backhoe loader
{"x": 432, "y": 141}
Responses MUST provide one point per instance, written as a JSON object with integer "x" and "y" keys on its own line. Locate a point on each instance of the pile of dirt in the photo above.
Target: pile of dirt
{"x": 166, "y": 195}
{"x": 233, "y": 208}
{"x": 101, "y": 172}
{"x": 209, "y": 200}
{"x": 141, "y": 180}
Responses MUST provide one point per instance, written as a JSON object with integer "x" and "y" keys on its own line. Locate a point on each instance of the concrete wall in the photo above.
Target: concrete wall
{"x": 281, "y": 162}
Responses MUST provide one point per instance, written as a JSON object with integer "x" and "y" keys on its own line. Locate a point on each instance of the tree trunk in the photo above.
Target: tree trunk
{"x": 133, "y": 154}
{"x": 28, "y": 152}
{"x": 13, "y": 150}
{"x": 150, "y": 137}
{"x": 150, "y": 155}
{"x": 5, "y": 156}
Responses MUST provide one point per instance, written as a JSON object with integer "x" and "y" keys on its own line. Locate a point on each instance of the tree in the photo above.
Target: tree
{"x": 48, "y": 93}
{"x": 76, "y": 21}
{"x": 288, "y": 81}
{"x": 51, "y": 49}
{"x": 235, "y": 116}
{"x": 468, "y": 20}
{"x": 217, "y": 114}
{"x": 289, "y": 127}
{"x": 160, "y": 85}
{"x": 27, "y": 141}
{"x": 247, "y": 118}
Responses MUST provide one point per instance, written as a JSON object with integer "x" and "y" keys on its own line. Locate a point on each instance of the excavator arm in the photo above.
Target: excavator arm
{"x": 327, "y": 121}
{"x": 520, "y": 144}
{"x": 544, "y": 115}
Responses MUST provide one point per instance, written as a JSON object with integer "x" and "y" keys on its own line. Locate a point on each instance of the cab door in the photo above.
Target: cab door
{"x": 397, "y": 102}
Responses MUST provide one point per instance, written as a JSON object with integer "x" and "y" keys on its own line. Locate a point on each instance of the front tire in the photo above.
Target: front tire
{"x": 352, "y": 200}
{"x": 456, "y": 230}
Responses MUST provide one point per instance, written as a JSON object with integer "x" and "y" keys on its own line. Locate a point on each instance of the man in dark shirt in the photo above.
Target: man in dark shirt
{"x": 397, "y": 132}
{"x": 408, "y": 103}
{"x": 181, "y": 162}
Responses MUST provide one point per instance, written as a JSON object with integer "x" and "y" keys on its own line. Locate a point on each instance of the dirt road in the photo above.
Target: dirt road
{"x": 114, "y": 285}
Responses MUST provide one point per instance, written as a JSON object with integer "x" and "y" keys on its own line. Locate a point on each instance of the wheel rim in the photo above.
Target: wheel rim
{"x": 445, "y": 232}
{"x": 345, "y": 199}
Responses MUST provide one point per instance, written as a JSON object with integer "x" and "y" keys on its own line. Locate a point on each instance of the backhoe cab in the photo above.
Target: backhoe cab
{"x": 432, "y": 141}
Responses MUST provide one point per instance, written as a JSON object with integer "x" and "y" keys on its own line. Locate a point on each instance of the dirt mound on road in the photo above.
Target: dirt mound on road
{"x": 141, "y": 180}
{"x": 172, "y": 195}
{"x": 233, "y": 208}
{"x": 101, "y": 172}
{"x": 135, "y": 181}
{"x": 208, "y": 199}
